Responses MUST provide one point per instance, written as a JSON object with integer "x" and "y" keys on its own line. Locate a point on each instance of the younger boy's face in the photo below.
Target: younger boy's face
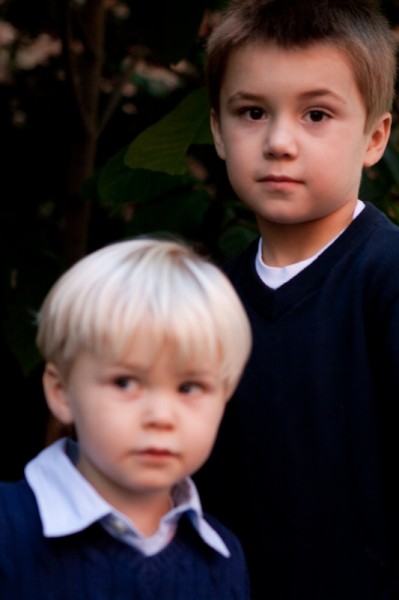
{"x": 291, "y": 128}
{"x": 142, "y": 425}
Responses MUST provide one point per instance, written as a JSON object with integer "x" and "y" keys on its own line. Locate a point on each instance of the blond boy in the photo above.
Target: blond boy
{"x": 144, "y": 342}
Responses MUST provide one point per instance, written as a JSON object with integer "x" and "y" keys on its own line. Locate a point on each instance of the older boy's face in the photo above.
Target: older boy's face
{"x": 291, "y": 128}
{"x": 142, "y": 425}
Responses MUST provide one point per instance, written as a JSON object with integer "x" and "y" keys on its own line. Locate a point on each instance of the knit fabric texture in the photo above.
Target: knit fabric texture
{"x": 92, "y": 565}
{"x": 306, "y": 463}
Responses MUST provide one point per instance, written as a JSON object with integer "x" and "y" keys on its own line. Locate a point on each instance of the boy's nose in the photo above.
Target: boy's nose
{"x": 159, "y": 411}
{"x": 279, "y": 140}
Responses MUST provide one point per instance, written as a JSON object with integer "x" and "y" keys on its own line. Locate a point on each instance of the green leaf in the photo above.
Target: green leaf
{"x": 118, "y": 184}
{"x": 163, "y": 146}
{"x": 181, "y": 213}
{"x": 235, "y": 240}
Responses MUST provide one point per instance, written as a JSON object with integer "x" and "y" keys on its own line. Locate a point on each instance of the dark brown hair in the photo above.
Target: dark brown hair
{"x": 354, "y": 27}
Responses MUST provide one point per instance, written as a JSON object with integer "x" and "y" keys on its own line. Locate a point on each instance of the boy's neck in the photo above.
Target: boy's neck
{"x": 287, "y": 244}
{"x": 145, "y": 511}
{"x": 146, "y": 516}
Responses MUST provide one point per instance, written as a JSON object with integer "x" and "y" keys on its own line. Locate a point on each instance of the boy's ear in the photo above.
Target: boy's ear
{"x": 56, "y": 394}
{"x": 379, "y": 137}
{"x": 217, "y": 136}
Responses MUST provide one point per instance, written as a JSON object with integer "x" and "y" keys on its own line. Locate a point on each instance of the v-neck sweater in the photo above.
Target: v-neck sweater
{"x": 306, "y": 464}
{"x": 93, "y": 565}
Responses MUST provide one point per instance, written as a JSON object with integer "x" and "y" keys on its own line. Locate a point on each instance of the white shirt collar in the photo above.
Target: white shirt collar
{"x": 275, "y": 277}
{"x": 68, "y": 503}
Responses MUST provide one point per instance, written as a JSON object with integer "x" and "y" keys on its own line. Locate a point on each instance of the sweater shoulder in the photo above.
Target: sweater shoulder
{"x": 376, "y": 252}
{"x": 17, "y": 505}
{"x": 15, "y": 491}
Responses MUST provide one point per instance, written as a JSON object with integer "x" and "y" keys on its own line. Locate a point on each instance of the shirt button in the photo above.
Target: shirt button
{"x": 118, "y": 525}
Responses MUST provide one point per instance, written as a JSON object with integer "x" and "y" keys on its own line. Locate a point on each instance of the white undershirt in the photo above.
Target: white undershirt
{"x": 274, "y": 277}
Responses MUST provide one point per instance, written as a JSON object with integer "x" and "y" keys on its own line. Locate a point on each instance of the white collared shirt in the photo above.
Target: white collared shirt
{"x": 68, "y": 503}
{"x": 274, "y": 277}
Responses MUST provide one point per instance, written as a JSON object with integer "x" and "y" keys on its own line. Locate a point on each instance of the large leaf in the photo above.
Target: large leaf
{"x": 163, "y": 146}
{"x": 180, "y": 213}
{"x": 118, "y": 184}
{"x": 236, "y": 239}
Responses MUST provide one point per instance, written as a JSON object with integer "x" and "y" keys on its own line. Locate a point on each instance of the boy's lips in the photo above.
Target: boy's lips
{"x": 280, "y": 184}
{"x": 156, "y": 452}
{"x": 278, "y": 179}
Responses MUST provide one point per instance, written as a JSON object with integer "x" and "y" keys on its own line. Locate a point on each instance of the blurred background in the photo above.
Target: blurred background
{"x": 104, "y": 134}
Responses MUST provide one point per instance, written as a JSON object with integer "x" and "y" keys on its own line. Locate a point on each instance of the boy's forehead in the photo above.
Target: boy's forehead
{"x": 145, "y": 348}
{"x": 243, "y": 55}
{"x": 256, "y": 64}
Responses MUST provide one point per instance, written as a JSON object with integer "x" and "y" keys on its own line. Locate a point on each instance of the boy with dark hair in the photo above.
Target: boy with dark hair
{"x": 307, "y": 457}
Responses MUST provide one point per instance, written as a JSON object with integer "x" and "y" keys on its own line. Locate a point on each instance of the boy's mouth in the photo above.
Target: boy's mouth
{"x": 278, "y": 179}
{"x": 156, "y": 452}
{"x": 279, "y": 183}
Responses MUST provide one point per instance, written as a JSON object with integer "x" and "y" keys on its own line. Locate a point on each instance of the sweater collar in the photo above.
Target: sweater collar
{"x": 68, "y": 503}
{"x": 276, "y": 302}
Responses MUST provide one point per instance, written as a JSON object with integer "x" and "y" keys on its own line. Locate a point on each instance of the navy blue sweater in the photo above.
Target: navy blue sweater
{"x": 306, "y": 466}
{"x": 92, "y": 565}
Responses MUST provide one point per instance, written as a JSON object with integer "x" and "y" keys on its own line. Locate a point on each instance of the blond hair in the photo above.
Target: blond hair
{"x": 354, "y": 27}
{"x": 160, "y": 289}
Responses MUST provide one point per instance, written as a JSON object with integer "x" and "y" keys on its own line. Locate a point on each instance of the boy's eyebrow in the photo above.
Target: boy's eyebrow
{"x": 115, "y": 365}
{"x": 145, "y": 367}
{"x": 238, "y": 96}
{"x": 308, "y": 95}
{"x": 197, "y": 373}
{"x": 318, "y": 93}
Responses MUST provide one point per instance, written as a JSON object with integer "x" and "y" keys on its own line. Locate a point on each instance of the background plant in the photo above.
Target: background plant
{"x": 104, "y": 129}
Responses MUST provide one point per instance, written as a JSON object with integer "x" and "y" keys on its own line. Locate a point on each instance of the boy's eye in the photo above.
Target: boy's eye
{"x": 253, "y": 113}
{"x": 190, "y": 387}
{"x": 126, "y": 383}
{"x": 316, "y": 116}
